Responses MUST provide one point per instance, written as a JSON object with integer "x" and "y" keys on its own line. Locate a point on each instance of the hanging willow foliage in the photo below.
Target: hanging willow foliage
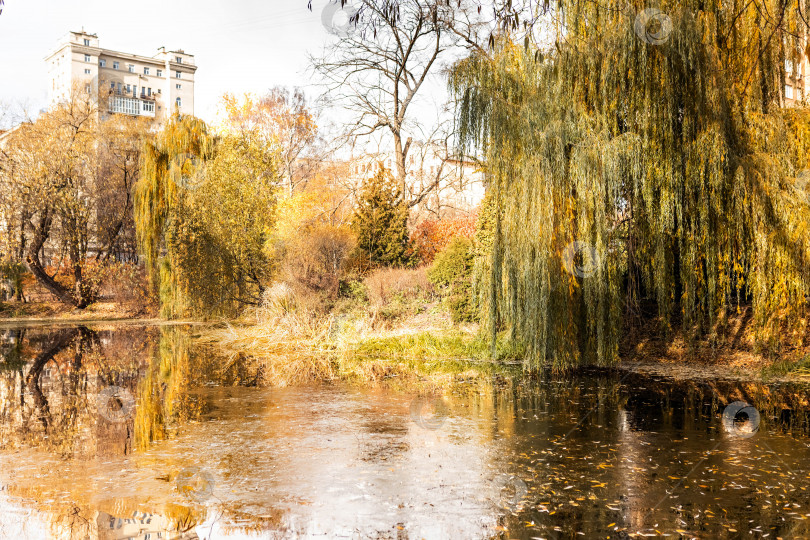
{"x": 205, "y": 211}
{"x": 167, "y": 161}
{"x": 670, "y": 165}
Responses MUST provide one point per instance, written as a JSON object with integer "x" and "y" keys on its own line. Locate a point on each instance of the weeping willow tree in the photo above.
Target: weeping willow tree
{"x": 167, "y": 163}
{"x": 635, "y": 167}
{"x": 204, "y": 208}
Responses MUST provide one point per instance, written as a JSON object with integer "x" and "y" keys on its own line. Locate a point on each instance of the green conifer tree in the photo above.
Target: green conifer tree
{"x": 381, "y": 221}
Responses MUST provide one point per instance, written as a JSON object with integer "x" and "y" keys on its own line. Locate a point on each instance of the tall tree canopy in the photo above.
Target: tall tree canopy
{"x": 656, "y": 146}
{"x": 65, "y": 184}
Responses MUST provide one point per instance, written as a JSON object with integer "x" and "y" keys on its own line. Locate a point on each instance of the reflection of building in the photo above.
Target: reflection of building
{"x": 131, "y": 84}
{"x": 141, "y": 526}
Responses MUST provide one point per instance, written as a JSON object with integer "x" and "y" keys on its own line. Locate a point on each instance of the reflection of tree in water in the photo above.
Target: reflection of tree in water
{"x": 50, "y": 387}
{"x": 11, "y": 357}
{"x": 42, "y": 396}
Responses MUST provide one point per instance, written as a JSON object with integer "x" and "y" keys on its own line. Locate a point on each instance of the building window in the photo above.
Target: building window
{"x": 788, "y": 91}
{"x": 86, "y": 57}
{"x": 148, "y": 106}
{"x": 178, "y": 86}
{"x": 102, "y": 62}
{"x": 115, "y": 65}
{"x": 86, "y": 42}
{"x": 178, "y": 102}
{"x": 131, "y": 68}
{"x": 146, "y": 71}
{"x": 149, "y": 91}
{"x": 160, "y": 73}
{"x": 129, "y": 88}
{"x": 178, "y": 59}
{"x": 177, "y": 74}
{"x": 87, "y": 72}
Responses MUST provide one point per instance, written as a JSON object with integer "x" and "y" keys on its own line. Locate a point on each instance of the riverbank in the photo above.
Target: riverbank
{"x": 58, "y": 312}
{"x": 421, "y": 347}
{"x": 429, "y": 351}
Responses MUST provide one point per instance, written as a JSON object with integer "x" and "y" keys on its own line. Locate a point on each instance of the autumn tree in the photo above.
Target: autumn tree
{"x": 65, "y": 197}
{"x": 204, "y": 209}
{"x": 285, "y": 119}
{"x": 642, "y": 162}
{"x": 120, "y": 141}
{"x": 380, "y": 221}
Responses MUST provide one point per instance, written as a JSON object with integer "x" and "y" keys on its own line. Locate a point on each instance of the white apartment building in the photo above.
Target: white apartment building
{"x": 797, "y": 82}
{"x": 126, "y": 83}
{"x": 451, "y": 185}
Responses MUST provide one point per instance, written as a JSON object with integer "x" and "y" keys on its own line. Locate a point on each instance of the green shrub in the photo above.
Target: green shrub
{"x": 355, "y": 290}
{"x": 451, "y": 275}
{"x": 380, "y": 222}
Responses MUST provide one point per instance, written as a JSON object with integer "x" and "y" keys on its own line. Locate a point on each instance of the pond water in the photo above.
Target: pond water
{"x": 132, "y": 432}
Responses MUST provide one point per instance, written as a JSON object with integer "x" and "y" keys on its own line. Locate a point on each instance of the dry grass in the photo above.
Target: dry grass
{"x": 385, "y": 284}
{"x": 293, "y": 344}
{"x": 288, "y": 339}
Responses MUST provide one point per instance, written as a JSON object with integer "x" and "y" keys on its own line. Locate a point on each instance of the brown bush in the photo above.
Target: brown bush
{"x": 386, "y": 283}
{"x": 433, "y": 235}
{"x": 317, "y": 257}
{"x": 126, "y": 283}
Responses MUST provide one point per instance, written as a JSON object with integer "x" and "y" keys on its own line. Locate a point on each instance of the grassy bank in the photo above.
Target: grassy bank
{"x": 423, "y": 348}
{"x": 47, "y": 311}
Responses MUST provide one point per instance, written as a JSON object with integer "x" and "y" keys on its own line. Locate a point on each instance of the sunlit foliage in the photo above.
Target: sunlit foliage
{"x": 629, "y": 173}
{"x": 204, "y": 210}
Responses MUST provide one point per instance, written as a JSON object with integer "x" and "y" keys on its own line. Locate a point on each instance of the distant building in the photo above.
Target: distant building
{"x": 128, "y": 83}
{"x": 446, "y": 184}
{"x": 797, "y": 76}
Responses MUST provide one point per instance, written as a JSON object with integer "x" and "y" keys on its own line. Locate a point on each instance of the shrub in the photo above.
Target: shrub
{"x": 451, "y": 274}
{"x": 433, "y": 235}
{"x": 355, "y": 290}
{"x": 386, "y": 284}
{"x": 317, "y": 258}
{"x": 11, "y": 279}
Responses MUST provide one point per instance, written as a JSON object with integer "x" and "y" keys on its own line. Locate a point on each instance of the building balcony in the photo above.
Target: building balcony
{"x": 131, "y": 106}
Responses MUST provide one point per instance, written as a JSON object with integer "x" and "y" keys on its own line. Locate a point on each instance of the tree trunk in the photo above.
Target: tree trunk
{"x": 34, "y": 265}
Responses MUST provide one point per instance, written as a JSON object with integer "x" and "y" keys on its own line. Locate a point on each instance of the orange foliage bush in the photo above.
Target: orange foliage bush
{"x": 433, "y": 235}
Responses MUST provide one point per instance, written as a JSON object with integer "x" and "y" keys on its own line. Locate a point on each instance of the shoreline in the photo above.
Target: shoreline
{"x": 398, "y": 358}
{"x": 87, "y": 321}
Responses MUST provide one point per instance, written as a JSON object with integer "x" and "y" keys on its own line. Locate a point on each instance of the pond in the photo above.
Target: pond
{"x": 116, "y": 432}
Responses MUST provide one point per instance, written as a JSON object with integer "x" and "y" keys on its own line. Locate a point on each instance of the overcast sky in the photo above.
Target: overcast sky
{"x": 239, "y": 45}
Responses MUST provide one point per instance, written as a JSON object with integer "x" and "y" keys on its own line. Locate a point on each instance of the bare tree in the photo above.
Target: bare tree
{"x": 286, "y": 120}
{"x": 379, "y": 65}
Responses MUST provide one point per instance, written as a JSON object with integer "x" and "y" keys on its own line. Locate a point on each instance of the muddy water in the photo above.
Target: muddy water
{"x": 131, "y": 432}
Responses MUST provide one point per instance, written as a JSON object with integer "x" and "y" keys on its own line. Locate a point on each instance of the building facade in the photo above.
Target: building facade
{"x": 444, "y": 184}
{"x": 797, "y": 84}
{"x": 125, "y": 83}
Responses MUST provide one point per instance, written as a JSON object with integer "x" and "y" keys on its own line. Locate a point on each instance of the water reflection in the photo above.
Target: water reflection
{"x": 199, "y": 453}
